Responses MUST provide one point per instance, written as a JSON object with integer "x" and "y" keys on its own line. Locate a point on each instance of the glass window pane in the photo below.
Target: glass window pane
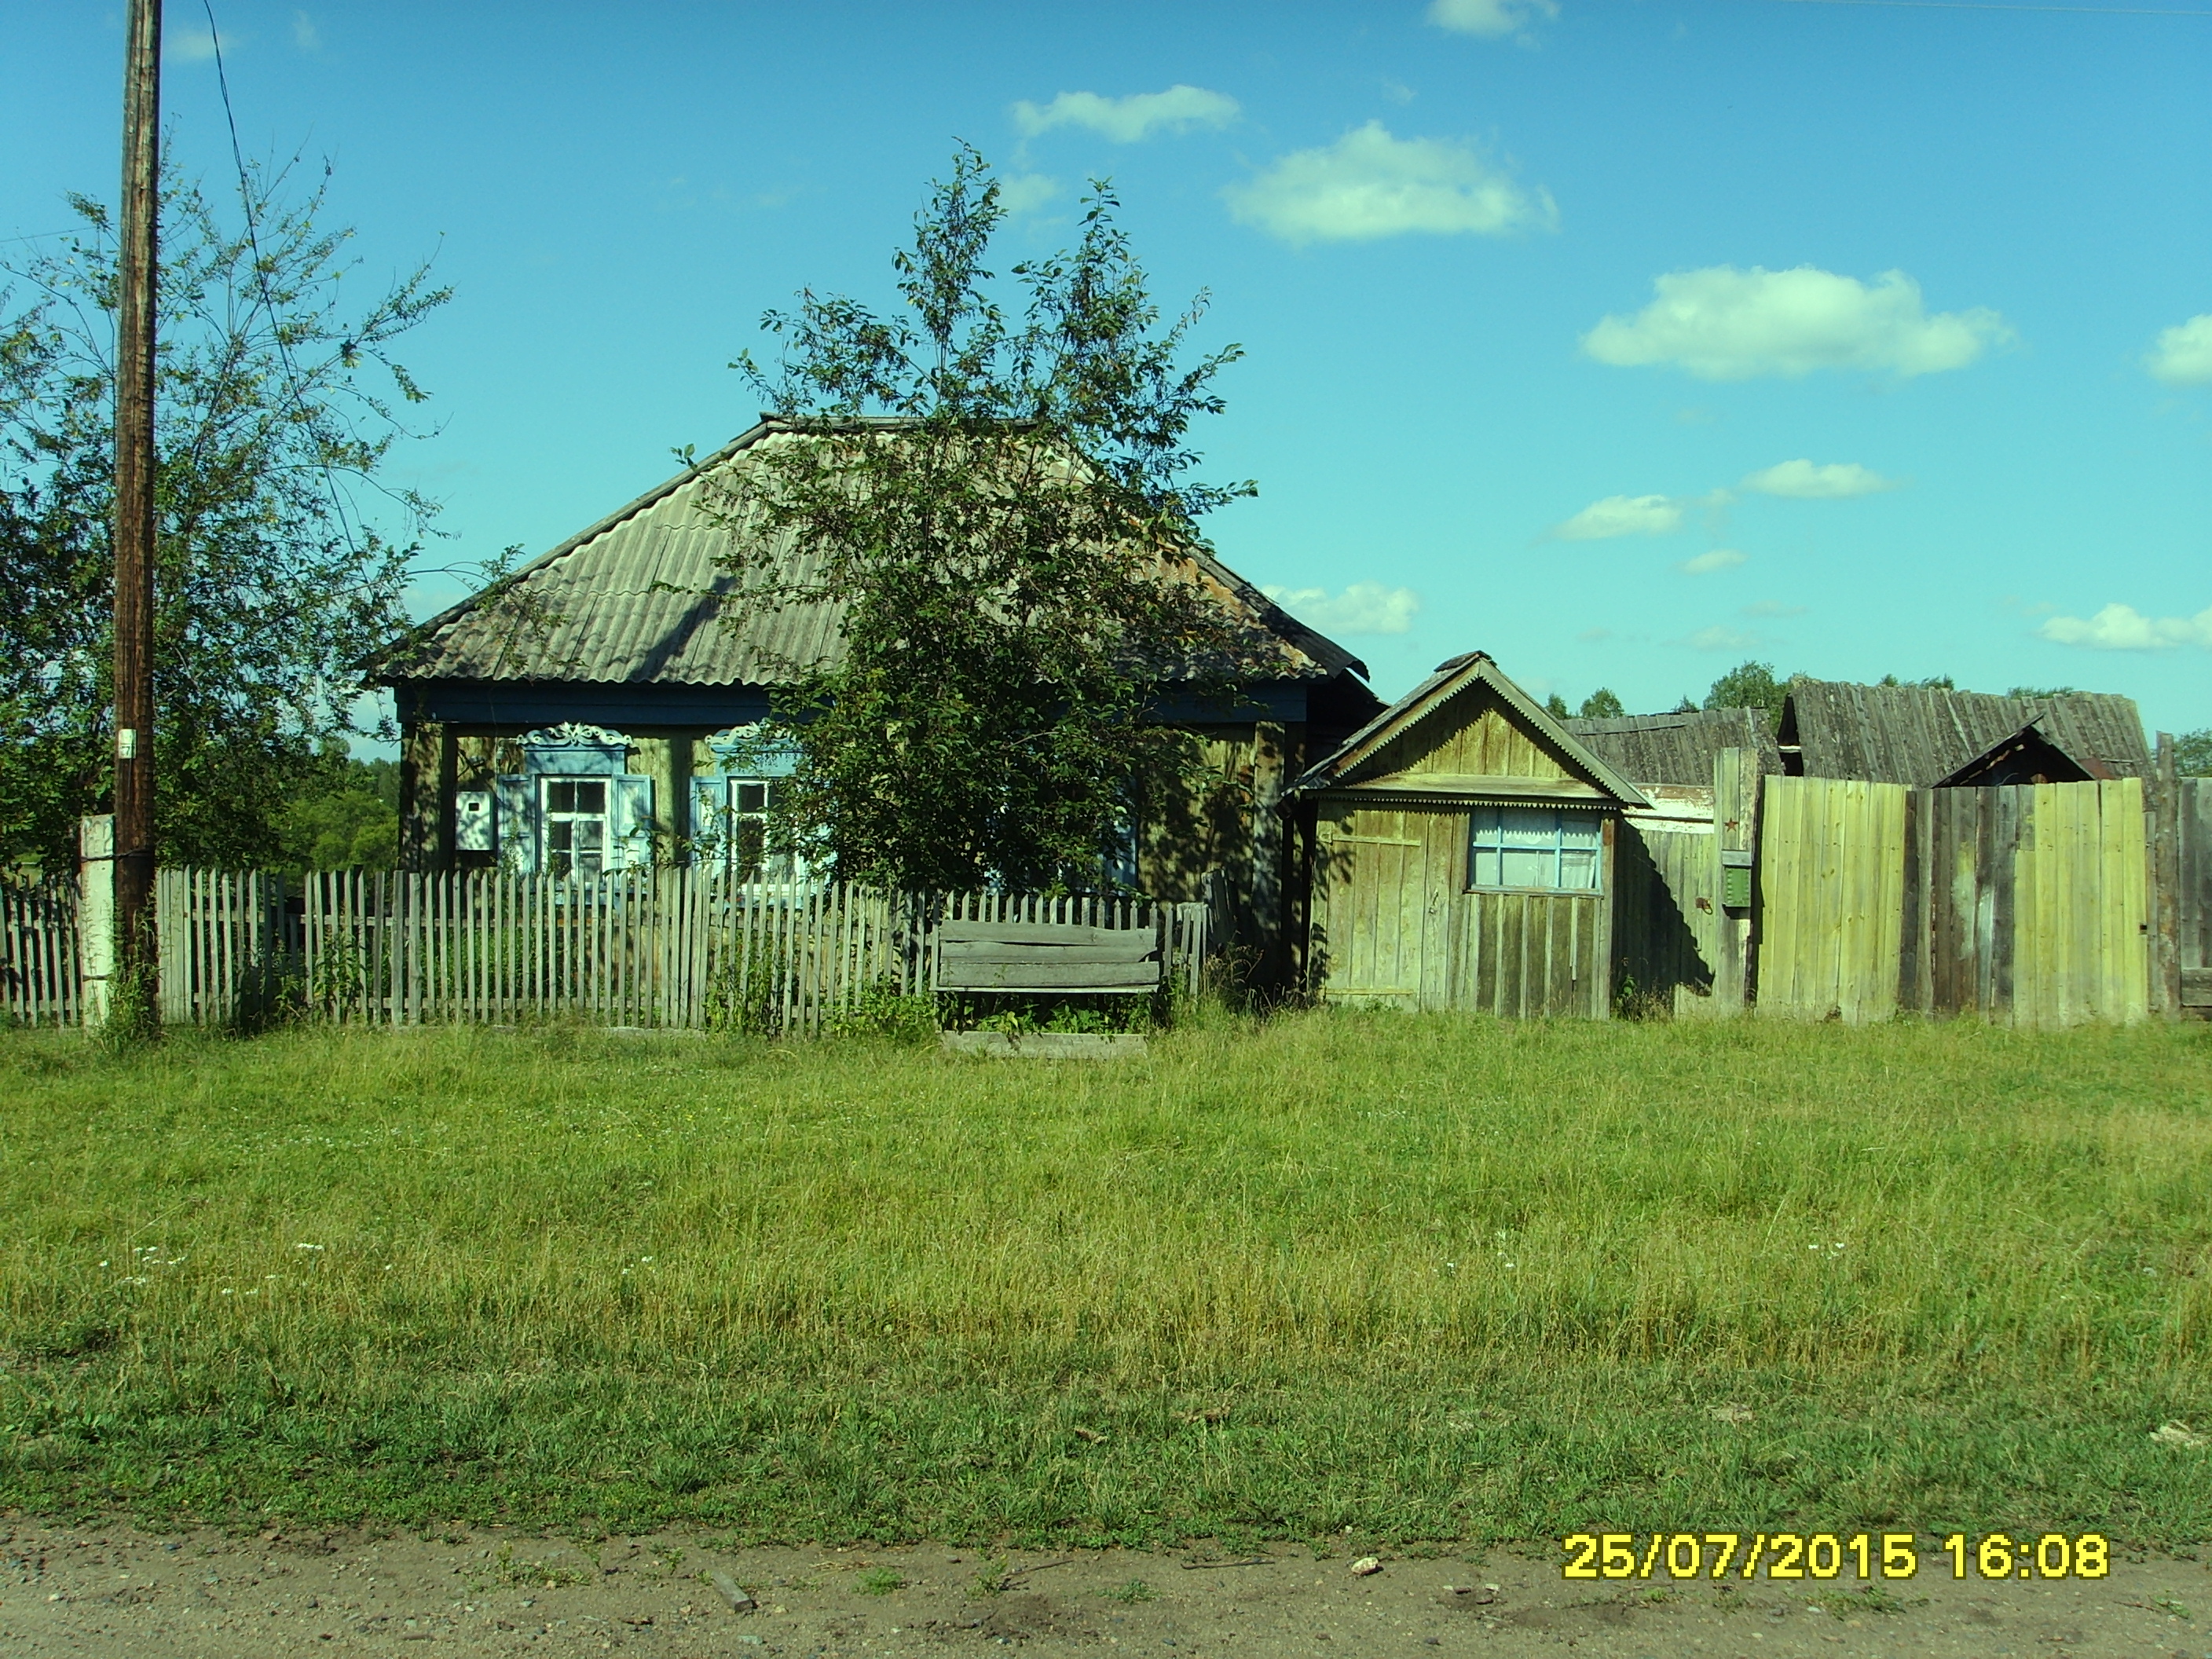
{"x": 1581, "y": 829}
{"x": 1531, "y": 827}
{"x": 752, "y": 797}
{"x": 751, "y": 840}
{"x": 591, "y": 796}
{"x": 1485, "y": 867}
{"x": 1578, "y": 870}
{"x": 556, "y": 835}
{"x": 590, "y": 835}
{"x": 560, "y": 796}
{"x": 1529, "y": 866}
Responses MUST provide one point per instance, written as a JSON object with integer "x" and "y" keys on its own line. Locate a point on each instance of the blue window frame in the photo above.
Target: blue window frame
{"x": 1539, "y": 847}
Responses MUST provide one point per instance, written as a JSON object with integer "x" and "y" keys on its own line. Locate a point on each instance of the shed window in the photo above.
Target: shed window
{"x": 575, "y": 825}
{"x": 1534, "y": 846}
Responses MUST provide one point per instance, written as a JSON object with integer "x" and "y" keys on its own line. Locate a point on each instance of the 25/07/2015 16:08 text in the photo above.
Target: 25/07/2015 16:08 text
{"x": 1996, "y": 1556}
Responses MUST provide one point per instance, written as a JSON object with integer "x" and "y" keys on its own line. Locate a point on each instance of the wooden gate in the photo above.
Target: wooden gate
{"x": 2028, "y": 905}
{"x": 1831, "y": 898}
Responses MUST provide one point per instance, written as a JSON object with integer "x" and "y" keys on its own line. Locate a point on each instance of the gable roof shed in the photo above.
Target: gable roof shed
{"x": 1357, "y": 762}
{"x": 1920, "y": 735}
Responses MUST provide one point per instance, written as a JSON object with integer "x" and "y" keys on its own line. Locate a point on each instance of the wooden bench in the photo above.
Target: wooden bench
{"x": 1048, "y": 957}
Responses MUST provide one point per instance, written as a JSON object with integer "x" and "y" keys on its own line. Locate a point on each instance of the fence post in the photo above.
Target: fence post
{"x": 2165, "y": 837}
{"x": 95, "y": 914}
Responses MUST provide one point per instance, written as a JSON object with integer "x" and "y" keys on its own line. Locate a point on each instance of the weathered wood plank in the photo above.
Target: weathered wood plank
{"x": 1137, "y": 946}
{"x": 1048, "y": 976}
{"x": 1061, "y": 935}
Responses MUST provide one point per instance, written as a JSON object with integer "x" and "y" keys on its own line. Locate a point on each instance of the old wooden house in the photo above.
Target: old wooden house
{"x": 598, "y": 710}
{"x": 1461, "y": 853}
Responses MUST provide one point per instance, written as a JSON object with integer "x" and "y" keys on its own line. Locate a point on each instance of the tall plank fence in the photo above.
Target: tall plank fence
{"x": 670, "y": 948}
{"x": 2027, "y": 905}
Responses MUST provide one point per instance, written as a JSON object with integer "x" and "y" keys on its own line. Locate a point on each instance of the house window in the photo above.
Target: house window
{"x": 735, "y": 832}
{"x": 575, "y": 825}
{"x": 1534, "y": 847}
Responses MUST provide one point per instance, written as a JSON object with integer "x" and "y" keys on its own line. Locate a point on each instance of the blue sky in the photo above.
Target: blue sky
{"x": 1621, "y": 340}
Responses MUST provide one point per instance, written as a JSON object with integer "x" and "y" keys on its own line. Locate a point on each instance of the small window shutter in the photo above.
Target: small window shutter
{"x": 629, "y": 822}
{"x": 516, "y": 827}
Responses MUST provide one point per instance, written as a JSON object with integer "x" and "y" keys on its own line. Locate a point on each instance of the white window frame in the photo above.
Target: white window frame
{"x": 1574, "y": 840}
{"x": 561, "y": 861}
{"x": 734, "y": 816}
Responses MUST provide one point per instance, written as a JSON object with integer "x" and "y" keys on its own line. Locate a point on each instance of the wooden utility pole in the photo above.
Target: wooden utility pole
{"x": 134, "y": 507}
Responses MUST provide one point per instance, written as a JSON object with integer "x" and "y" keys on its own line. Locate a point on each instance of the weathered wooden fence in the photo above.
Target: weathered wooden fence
{"x": 636, "y": 948}
{"x": 40, "y": 970}
{"x": 2025, "y": 905}
{"x": 2187, "y": 921}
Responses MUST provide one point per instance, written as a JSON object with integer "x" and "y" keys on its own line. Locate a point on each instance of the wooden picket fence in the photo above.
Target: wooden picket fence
{"x": 41, "y": 980}
{"x": 671, "y": 948}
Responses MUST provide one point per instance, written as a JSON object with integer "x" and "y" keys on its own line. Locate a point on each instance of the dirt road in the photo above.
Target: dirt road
{"x": 114, "y": 1590}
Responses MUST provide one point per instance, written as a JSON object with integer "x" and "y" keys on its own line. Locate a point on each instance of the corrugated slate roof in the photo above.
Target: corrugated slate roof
{"x": 638, "y": 598}
{"x": 1921, "y": 734}
{"x": 1677, "y": 748}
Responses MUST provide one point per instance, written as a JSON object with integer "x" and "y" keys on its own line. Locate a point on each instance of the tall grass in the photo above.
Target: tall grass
{"x": 1422, "y": 1274}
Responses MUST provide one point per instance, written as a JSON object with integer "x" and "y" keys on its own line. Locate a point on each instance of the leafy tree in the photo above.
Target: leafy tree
{"x": 272, "y": 581}
{"x": 344, "y": 816}
{"x": 1933, "y": 682}
{"x": 1602, "y": 705}
{"x": 1750, "y": 685}
{"x": 1556, "y": 707}
{"x": 1001, "y": 502}
{"x": 2042, "y": 691}
{"x": 2192, "y": 753}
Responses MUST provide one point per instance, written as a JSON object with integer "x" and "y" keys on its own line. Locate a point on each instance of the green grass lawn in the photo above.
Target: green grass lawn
{"x": 1413, "y": 1277}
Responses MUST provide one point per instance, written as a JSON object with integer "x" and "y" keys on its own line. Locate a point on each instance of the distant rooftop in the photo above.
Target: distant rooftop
{"x": 1922, "y": 734}
{"x": 1679, "y": 748}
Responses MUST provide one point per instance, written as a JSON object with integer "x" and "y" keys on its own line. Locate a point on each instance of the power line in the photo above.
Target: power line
{"x": 261, "y": 271}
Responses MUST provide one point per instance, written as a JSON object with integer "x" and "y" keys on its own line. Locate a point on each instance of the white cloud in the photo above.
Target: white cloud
{"x": 2123, "y": 628}
{"x": 1488, "y": 17}
{"x": 1369, "y": 184}
{"x": 1126, "y": 120}
{"x": 1025, "y": 193}
{"x": 304, "y": 35}
{"x": 1802, "y": 481}
{"x": 1772, "y": 608}
{"x": 2183, "y": 356}
{"x": 1622, "y": 516}
{"x": 1720, "y": 558}
{"x": 1362, "y": 608}
{"x": 1721, "y": 637}
{"x": 190, "y": 46}
{"x": 1723, "y": 324}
